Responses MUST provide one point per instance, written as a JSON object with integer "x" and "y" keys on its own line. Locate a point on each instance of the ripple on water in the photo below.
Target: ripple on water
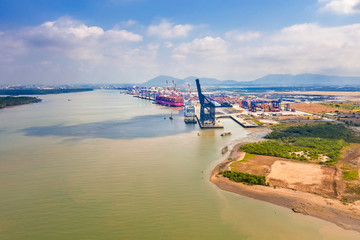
{"x": 147, "y": 126}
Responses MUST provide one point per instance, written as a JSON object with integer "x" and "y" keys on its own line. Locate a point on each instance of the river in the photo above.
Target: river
{"x": 104, "y": 165}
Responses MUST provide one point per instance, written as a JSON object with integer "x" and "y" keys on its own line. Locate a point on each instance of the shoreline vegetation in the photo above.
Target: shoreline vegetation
{"x": 42, "y": 91}
{"x": 16, "y": 101}
{"x": 308, "y": 181}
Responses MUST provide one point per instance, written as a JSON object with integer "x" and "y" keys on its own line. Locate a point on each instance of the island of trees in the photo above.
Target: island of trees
{"x": 14, "y": 101}
{"x": 42, "y": 91}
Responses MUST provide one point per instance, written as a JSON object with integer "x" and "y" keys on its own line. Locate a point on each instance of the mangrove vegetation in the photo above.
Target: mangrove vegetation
{"x": 245, "y": 178}
{"x": 42, "y": 91}
{"x": 303, "y": 142}
{"x": 14, "y": 101}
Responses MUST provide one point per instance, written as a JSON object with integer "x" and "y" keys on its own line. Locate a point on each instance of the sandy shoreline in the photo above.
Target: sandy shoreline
{"x": 346, "y": 216}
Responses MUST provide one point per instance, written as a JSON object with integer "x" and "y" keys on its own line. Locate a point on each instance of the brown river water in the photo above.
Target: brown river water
{"x": 104, "y": 165}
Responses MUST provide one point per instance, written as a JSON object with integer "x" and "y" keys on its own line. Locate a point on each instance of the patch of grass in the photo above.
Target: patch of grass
{"x": 344, "y": 105}
{"x": 350, "y": 175}
{"x": 346, "y": 167}
{"x": 247, "y": 156}
{"x": 256, "y": 121}
{"x": 329, "y": 162}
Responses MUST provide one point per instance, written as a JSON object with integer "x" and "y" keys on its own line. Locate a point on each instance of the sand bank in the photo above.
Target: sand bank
{"x": 344, "y": 215}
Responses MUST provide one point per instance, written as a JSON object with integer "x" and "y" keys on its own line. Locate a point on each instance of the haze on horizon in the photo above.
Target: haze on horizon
{"x": 118, "y": 41}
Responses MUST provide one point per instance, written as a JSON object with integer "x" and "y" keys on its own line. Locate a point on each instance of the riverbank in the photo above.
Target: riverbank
{"x": 344, "y": 215}
{"x": 16, "y": 101}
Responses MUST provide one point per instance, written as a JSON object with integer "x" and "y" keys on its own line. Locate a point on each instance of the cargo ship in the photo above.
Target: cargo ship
{"x": 170, "y": 100}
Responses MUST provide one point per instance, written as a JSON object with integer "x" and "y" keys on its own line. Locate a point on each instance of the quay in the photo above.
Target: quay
{"x": 208, "y": 125}
{"x": 240, "y": 120}
{"x": 145, "y": 97}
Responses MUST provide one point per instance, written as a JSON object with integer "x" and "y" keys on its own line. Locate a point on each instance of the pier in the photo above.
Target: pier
{"x": 145, "y": 97}
{"x": 206, "y": 124}
{"x": 240, "y": 120}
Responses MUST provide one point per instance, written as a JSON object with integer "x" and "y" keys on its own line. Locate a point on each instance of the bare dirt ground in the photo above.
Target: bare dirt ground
{"x": 305, "y": 177}
{"x": 257, "y": 165}
{"x": 349, "y": 190}
{"x": 286, "y": 173}
{"x": 315, "y": 108}
{"x": 293, "y": 173}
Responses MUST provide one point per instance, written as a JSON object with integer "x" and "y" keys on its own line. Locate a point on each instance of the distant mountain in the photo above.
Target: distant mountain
{"x": 273, "y": 80}
{"x": 306, "y": 79}
{"x": 160, "y": 81}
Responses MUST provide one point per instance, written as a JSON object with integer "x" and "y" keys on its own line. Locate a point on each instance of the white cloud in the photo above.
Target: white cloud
{"x": 73, "y": 48}
{"x": 66, "y": 31}
{"x": 341, "y": 6}
{"x": 167, "y": 30}
{"x": 178, "y": 56}
{"x": 70, "y": 50}
{"x": 314, "y": 34}
{"x": 242, "y": 36}
{"x": 122, "y": 35}
{"x": 295, "y": 49}
{"x": 307, "y": 48}
{"x": 168, "y": 44}
{"x": 206, "y": 45}
{"x": 65, "y": 27}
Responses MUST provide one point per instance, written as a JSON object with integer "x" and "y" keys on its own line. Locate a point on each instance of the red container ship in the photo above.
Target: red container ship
{"x": 170, "y": 100}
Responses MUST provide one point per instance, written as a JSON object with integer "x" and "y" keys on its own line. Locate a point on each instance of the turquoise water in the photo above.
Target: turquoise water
{"x": 109, "y": 166}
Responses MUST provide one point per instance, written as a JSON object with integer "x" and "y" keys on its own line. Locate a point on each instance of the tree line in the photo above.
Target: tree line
{"x": 13, "y": 101}
{"x": 303, "y": 142}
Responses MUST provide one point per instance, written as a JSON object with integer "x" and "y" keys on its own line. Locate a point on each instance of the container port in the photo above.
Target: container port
{"x": 249, "y": 110}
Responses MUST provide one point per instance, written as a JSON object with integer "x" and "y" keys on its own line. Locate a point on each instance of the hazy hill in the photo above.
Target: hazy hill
{"x": 306, "y": 79}
{"x": 303, "y": 80}
{"x": 161, "y": 81}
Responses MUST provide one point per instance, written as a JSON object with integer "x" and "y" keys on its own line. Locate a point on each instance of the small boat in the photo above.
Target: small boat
{"x": 171, "y": 117}
{"x": 225, "y": 134}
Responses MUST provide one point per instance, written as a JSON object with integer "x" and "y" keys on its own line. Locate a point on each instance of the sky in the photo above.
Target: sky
{"x": 132, "y": 41}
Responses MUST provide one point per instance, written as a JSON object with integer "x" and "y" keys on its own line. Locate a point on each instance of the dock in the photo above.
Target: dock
{"x": 145, "y": 97}
{"x": 240, "y": 120}
{"x": 217, "y": 125}
{"x": 208, "y": 126}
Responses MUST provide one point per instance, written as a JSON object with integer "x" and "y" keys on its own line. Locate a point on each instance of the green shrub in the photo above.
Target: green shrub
{"x": 326, "y": 139}
{"x": 245, "y": 178}
{"x": 350, "y": 175}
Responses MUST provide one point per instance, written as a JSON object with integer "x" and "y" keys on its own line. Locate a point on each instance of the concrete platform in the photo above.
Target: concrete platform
{"x": 207, "y": 126}
{"x": 244, "y": 123}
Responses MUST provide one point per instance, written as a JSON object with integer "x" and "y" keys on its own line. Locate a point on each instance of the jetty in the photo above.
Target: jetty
{"x": 245, "y": 123}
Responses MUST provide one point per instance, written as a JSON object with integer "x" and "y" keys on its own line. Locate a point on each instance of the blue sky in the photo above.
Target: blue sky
{"x": 116, "y": 41}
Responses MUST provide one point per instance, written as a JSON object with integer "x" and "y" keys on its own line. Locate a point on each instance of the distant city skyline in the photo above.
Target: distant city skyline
{"x": 132, "y": 41}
